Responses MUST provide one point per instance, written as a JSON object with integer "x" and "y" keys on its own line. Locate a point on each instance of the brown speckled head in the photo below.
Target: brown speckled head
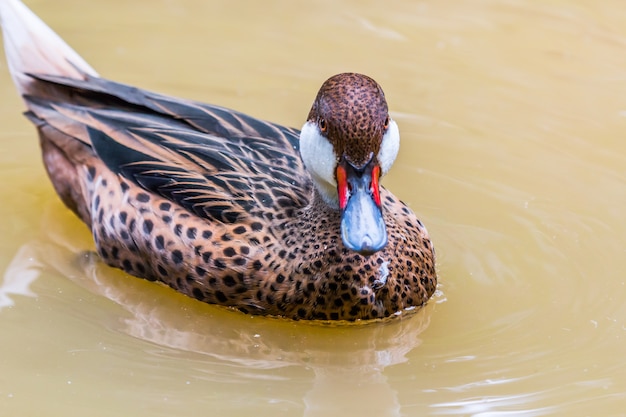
{"x": 351, "y": 111}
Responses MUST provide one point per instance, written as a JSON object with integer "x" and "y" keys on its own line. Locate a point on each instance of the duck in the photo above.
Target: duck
{"x": 221, "y": 206}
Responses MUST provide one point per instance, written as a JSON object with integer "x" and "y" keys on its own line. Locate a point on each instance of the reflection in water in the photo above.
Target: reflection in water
{"x": 21, "y": 272}
{"x": 371, "y": 393}
{"x": 484, "y": 406}
{"x": 346, "y": 361}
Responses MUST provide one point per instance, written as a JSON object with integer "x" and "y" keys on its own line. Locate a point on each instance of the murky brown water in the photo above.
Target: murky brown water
{"x": 513, "y": 121}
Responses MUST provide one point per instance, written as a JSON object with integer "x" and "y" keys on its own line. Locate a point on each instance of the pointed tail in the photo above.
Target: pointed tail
{"x": 32, "y": 47}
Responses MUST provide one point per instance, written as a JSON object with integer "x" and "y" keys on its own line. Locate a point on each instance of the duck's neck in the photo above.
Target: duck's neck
{"x": 325, "y": 193}
{"x": 320, "y": 204}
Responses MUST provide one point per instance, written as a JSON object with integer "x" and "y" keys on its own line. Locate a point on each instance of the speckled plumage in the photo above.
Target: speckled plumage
{"x": 218, "y": 205}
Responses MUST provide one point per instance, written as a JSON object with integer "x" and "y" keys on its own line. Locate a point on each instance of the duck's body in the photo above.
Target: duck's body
{"x": 219, "y": 205}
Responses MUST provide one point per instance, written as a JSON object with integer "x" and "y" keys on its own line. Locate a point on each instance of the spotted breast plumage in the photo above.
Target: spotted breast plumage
{"x": 221, "y": 206}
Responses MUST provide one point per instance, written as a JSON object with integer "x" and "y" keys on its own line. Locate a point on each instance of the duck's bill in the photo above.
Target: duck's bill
{"x": 362, "y": 225}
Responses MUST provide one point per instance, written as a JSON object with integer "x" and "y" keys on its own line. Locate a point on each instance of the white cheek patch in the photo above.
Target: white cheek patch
{"x": 389, "y": 147}
{"x": 320, "y": 160}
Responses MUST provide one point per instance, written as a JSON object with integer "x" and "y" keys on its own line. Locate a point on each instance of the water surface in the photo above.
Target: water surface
{"x": 512, "y": 115}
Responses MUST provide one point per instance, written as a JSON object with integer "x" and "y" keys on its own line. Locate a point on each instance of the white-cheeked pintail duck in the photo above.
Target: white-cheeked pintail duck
{"x": 221, "y": 206}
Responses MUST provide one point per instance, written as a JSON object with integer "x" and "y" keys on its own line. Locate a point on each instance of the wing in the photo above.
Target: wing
{"x": 217, "y": 163}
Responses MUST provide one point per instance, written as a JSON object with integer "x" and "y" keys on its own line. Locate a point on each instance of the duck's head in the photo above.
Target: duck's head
{"x": 347, "y": 143}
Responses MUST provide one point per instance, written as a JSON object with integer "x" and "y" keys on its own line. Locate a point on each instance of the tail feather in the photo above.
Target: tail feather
{"x": 32, "y": 47}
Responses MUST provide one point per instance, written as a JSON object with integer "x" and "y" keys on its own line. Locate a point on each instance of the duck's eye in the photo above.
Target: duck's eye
{"x": 322, "y": 124}
{"x": 386, "y": 125}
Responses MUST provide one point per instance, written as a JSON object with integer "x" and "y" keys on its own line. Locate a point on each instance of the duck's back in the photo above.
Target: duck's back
{"x": 217, "y": 163}
{"x": 168, "y": 146}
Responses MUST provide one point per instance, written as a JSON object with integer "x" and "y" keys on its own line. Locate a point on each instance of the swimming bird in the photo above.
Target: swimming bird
{"x": 221, "y": 206}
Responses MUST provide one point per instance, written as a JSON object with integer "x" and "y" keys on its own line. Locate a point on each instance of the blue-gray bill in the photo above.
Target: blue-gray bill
{"x": 362, "y": 225}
